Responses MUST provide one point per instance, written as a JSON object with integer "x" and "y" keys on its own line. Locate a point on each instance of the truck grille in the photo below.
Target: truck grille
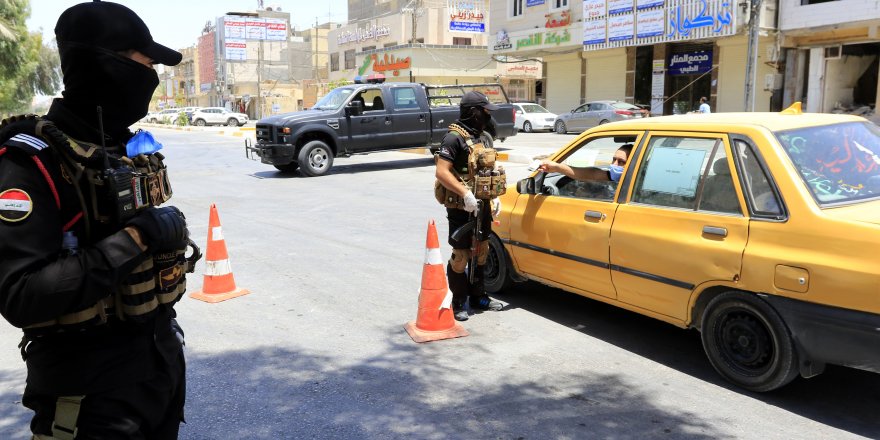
{"x": 265, "y": 133}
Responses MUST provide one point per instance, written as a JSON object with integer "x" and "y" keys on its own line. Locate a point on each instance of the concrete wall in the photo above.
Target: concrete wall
{"x": 793, "y": 15}
{"x": 841, "y": 76}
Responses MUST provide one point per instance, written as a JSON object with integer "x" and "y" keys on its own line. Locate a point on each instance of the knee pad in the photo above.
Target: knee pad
{"x": 483, "y": 252}
{"x": 459, "y": 260}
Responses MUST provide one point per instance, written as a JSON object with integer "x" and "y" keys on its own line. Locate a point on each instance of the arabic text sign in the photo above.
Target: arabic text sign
{"x": 690, "y": 63}
{"x": 620, "y": 27}
{"x": 467, "y": 26}
{"x": 594, "y": 32}
{"x": 255, "y": 28}
{"x": 594, "y": 9}
{"x": 360, "y": 35}
{"x": 620, "y": 6}
{"x": 650, "y": 23}
{"x": 645, "y": 4}
{"x": 234, "y": 27}
{"x": 711, "y": 19}
{"x": 534, "y": 3}
{"x": 276, "y": 29}
{"x": 235, "y": 49}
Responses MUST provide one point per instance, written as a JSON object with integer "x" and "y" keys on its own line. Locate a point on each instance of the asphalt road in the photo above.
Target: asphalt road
{"x": 318, "y": 349}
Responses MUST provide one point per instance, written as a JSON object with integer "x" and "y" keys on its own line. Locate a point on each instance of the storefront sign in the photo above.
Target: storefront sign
{"x": 658, "y": 83}
{"x": 594, "y": 9}
{"x": 360, "y": 35}
{"x": 529, "y": 39}
{"x": 620, "y": 27}
{"x": 255, "y": 28}
{"x": 234, "y": 27}
{"x": 551, "y": 38}
{"x": 276, "y": 30}
{"x": 387, "y": 63}
{"x": 690, "y": 63}
{"x": 594, "y": 32}
{"x": 682, "y": 23}
{"x": 502, "y": 41}
{"x": 650, "y": 23}
{"x": 466, "y": 16}
{"x": 521, "y": 70}
{"x": 235, "y": 49}
{"x": 620, "y": 6}
{"x": 557, "y": 19}
{"x": 530, "y": 3}
{"x": 646, "y": 4}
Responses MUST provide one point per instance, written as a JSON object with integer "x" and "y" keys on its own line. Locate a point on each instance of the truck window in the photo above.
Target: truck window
{"x": 371, "y": 99}
{"x": 404, "y": 98}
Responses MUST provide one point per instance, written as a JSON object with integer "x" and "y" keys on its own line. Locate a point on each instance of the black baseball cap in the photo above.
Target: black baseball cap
{"x": 477, "y": 99}
{"x": 113, "y": 27}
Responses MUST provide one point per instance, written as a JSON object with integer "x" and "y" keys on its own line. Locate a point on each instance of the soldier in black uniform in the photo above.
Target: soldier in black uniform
{"x": 91, "y": 266}
{"x": 473, "y": 129}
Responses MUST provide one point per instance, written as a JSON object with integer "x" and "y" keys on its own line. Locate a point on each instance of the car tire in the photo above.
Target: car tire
{"x": 497, "y": 272}
{"x": 315, "y": 158}
{"x": 287, "y": 168}
{"x": 200, "y": 122}
{"x": 604, "y": 121}
{"x": 527, "y": 127}
{"x": 154, "y": 121}
{"x": 560, "y": 127}
{"x": 748, "y": 343}
{"x": 232, "y": 122}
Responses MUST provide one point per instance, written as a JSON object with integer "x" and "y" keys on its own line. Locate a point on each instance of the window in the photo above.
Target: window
{"x": 371, "y": 99}
{"x": 597, "y": 152}
{"x": 517, "y": 9}
{"x": 558, "y": 4}
{"x": 687, "y": 173}
{"x": 334, "y": 62}
{"x": 349, "y": 59}
{"x": 366, "y": 48}
{"x": 404, "y": 97}
{"x": 461, "y": 41}
{"x": 757, "y": 187}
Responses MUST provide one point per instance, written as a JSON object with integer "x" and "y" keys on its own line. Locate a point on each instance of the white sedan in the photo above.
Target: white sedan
{"x": 218, "y": 115}
{"x": 531, "y": 117}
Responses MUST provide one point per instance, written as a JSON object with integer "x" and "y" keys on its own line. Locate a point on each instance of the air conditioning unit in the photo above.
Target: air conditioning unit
{"x": 833, "y": 52}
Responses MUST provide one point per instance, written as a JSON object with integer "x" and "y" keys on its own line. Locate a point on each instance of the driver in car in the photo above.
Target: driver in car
{"x": 612, "y": 174}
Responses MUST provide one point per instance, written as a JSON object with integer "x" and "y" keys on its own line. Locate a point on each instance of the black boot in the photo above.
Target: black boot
{"x": 478, "y": 298}
{"x": 458, "y": 284}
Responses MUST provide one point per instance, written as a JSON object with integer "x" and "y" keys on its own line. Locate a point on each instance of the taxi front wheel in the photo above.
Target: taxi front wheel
{"x": 748, "y": 343}
{"x": 496, "y": 274}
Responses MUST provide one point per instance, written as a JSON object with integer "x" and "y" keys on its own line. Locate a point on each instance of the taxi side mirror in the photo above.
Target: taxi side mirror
{"x": 526, "y": 186}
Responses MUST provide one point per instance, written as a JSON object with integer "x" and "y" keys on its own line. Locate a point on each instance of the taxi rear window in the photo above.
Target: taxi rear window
{"x": 840, "y": 163}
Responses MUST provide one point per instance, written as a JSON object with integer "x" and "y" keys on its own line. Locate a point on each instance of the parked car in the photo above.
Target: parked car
{"x": 596, "y": 113}
{"x": 363, "y": 118}
{"x": 531, "y": 117}
{"x": 218, "y": 116}
{"x": 188, "y": 111}
{"x": 760, "y": 230}
{"x": 167, "y": 116}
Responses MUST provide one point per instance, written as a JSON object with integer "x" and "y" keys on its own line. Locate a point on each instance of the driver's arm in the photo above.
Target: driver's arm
{"x": 578, "y": 173}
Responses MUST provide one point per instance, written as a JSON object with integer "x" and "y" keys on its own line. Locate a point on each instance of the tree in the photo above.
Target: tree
{"x": 27, "y": 66}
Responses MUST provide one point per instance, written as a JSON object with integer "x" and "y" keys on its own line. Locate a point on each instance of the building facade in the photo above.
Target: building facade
{"x": 662, "y": 53}
{"x": 830, "y": 53}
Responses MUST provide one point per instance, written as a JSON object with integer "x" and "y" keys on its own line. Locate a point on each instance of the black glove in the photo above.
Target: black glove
{"x": 163, "y": 228}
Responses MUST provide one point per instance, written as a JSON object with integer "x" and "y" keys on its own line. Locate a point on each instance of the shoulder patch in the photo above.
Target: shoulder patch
{"x": 15, "y": 205}
{"x": 26, "y": 142}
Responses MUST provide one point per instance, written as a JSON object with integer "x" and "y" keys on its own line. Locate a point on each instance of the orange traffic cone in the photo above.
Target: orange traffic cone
{"x": 219, "y": 284}
{"x": 434, "y": 320}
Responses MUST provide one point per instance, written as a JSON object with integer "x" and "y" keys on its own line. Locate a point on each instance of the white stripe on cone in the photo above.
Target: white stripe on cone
{"x": 432, "y": 256}
{"x": 447, "y": 301}
{"x": 219, "y": 267}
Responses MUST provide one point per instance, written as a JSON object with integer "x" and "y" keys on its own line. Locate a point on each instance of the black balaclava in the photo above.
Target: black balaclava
{"x": 478, "y": 119}
{"x": 94, "y": 76}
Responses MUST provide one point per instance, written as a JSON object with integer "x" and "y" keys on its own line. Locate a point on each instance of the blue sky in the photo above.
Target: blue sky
{"x": 178, "y": 23}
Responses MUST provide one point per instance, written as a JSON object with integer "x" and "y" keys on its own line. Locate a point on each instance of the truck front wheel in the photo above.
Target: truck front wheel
{"x": 315, "y": 158}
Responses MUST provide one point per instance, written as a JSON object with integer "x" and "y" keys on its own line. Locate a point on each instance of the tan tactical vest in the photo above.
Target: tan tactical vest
{"x": 482, "y": 178}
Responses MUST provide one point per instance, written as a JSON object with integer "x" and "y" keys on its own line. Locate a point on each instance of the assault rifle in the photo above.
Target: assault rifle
{"x": 472, "y": 227}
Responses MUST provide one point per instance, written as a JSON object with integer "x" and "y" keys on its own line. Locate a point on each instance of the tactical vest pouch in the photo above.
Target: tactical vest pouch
{"x": 490, "y": 184}
{"x": 170, "y": 269}
{"x": 136, "y": 298}
{"x": 447, "y": 198}
{"x": 481, "y": 158}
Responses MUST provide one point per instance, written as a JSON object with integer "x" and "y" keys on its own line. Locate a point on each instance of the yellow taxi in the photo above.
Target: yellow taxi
{"x": 761, "y": 230}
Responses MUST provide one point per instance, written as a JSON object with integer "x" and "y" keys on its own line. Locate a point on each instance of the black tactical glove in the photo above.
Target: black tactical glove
{"x": 164, "y": 228}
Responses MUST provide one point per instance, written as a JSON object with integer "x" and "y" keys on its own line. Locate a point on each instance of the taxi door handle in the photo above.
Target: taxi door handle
{"x": 595, "y": 215}
{"x": 387, "y": 120}
{"x": 715, "y": 230}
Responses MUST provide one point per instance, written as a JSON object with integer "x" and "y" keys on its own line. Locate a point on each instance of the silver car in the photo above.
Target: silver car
{"x": 596, "y": 113}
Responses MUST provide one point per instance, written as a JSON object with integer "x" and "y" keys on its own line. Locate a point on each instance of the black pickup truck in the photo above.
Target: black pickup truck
{"x": 364, "y": 118}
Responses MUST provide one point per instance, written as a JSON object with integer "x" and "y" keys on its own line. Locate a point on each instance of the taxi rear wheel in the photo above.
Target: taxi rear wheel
{"x": 496, "y": 273}
{"x": 748, "y": 343}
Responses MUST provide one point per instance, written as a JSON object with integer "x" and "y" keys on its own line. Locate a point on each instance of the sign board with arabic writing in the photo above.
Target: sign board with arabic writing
{"x": 360, "y": 35}
{"x": 690, "y": 63}
{"x": 655, "y": 21}
{"x": 254, "y": 28}
{"x": 235, "y": 49}
{"x": 466, "y": 16}
{"x": 530, "y": 3}
{"x": 534, "y": 39}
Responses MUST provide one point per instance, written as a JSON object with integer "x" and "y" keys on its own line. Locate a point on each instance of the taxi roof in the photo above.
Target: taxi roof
{"x": 724, "y": 121}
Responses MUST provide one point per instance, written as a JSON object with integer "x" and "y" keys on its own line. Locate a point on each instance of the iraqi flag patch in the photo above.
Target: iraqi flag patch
{"x": 15, "y": 205}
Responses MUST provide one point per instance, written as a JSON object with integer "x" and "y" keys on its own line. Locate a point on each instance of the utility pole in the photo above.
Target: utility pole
{"x": 258, "y": 100}
{"x": 752, "y": 52}
{"x": 315, "y": 53}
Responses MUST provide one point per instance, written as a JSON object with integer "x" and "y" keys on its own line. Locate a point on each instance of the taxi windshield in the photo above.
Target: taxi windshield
{"x": 840, "y": 163}
{"x": 333, "y": 100}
